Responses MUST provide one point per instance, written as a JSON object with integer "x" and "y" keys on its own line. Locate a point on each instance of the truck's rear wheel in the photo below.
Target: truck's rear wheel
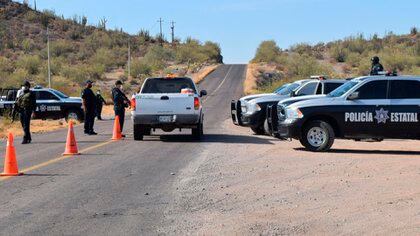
{"x": 317, "y": 136}
{"x": 198, "y": 132}
{"x": 139, "y": 132}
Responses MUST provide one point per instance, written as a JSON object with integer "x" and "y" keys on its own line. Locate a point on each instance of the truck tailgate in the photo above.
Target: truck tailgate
{"x": 165, "y": 104}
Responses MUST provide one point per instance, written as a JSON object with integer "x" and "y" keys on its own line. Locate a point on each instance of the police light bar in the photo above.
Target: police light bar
{"x": 170, "y": 76}
{"x": 320, "y": 77}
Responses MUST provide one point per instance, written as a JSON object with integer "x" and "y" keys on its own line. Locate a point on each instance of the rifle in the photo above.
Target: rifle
{"x": 15, "y": 112}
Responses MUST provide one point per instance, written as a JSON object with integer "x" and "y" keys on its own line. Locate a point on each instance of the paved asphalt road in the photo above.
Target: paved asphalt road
{"x": 114, "y": 188}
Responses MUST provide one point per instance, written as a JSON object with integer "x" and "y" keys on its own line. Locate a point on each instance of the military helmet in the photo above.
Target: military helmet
{"x": 375, "y": 59}
{"x": 26, "y": 84}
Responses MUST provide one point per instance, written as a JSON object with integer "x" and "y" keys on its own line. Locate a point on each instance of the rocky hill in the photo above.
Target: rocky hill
{"x": 80, "y": 50}
{"x": 344, "y": 58}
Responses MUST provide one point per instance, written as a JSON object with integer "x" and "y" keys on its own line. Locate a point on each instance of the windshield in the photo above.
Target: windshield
{"x": 60, "y": 94}
{"x": 174, "y": 85}
{"x": 342, "y": 89}
{"x": 278, "y": 90}
{"x": 287, "y": 89}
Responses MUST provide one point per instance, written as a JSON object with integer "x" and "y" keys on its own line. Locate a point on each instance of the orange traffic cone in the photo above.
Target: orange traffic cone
{"x": 71, "y": 144}
{"x": 10, "y": 163}
{"x": 117, "y": 129}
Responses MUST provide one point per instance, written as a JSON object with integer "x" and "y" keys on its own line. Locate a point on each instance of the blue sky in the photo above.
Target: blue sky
{"x": 240, "y": 25}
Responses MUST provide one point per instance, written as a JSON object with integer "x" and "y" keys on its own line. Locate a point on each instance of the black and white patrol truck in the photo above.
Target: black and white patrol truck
{"x": 365, "y": 108}
{"x": 251, "y": 111}
{"x": 51, "y": 104}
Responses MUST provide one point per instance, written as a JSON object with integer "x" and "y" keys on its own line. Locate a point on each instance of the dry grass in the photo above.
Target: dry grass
{"x": 37, "y": 126}
{"x": 250, "y": 83}
{"x": 205, "y": 71}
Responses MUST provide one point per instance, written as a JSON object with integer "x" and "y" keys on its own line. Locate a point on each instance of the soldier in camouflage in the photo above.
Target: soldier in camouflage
{"x": 26, "y": 105}
{"x": 376, "y": 66}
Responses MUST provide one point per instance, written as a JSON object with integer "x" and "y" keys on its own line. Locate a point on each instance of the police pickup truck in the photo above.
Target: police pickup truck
{"x": 167, "y": 103}
{"x": 371, "y": 108}
{"x": 251, "y": 111}
{"x": 51, "y": 104}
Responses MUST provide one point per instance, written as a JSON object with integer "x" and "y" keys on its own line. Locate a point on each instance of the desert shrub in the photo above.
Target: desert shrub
{"x": 140, "y": 67}
{"x": 339, "y": 53}
{"x": 32, "y": 16}
{"x": 98, "y": 39}
{"x": 353, "y": 59}
{"x": 27, "y": 45}
{"x": 60, "y": 48}
{"x": 191, "y": 51}
{"x": 103, "y": 56}
{"x": 303, "y": 66}
{"x": 267, "y": 51}
{"x": 6, "y": 65}
{"x": 156, "y": 56}
{"x": 213, "y": 51}
{"x": 31, "y": 63}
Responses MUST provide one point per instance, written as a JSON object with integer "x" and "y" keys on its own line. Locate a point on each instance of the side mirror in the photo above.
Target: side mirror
{"x": 293, "y": 94}
{"x": 203, "y": 93}
{"x": 353, "y": 96}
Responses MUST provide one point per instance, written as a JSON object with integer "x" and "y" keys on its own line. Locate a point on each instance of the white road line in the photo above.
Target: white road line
{"x": 220, "y": 85}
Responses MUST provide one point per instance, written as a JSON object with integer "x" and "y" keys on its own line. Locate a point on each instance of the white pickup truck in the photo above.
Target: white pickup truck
{"x": 168, "y": 104}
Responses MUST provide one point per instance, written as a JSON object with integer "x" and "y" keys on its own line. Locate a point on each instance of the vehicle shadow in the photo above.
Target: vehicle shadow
{"x": 353, "y": 151}
{"x": 216, "y": 138}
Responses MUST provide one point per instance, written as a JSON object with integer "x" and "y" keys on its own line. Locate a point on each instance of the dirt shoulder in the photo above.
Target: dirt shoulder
{"x": 263, "y": 186}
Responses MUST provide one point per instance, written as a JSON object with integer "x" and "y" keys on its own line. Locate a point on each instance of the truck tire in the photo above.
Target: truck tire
{"x": 259, "y": 130}
{"x": 317, "y": 136}
{"x": 198, "y": 132}
{"x": 139, "y": 132}
{"x": 74, "y": 115}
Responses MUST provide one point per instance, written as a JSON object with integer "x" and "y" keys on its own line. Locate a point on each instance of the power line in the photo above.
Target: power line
{"x": 48, "y": 51}
{"x": 161, "y": 33}
{"x": 173, "y": 32}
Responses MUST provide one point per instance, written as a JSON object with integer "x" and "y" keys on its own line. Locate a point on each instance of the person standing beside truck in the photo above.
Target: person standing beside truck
{"x": 25, "y": 105}
{"x": 120, "y": 102}
{"x": 89, "y": 107}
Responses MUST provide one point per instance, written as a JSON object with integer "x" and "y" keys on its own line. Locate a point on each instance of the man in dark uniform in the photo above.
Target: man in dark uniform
{"x": 120, "y": 102}
{"x": 26, "y": 105}
{"x": 89, "y": 107}
{"x": 100, "y": 102}
{"x": 376, "y": 66}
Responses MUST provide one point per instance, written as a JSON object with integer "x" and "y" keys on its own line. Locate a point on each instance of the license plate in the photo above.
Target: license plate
{"x": 165, "y": 119}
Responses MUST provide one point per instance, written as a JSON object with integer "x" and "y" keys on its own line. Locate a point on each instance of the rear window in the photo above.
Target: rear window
{"x": 405, "y": 89}
{"x": 174, "y": 85}
{"x": 329, "y": 87}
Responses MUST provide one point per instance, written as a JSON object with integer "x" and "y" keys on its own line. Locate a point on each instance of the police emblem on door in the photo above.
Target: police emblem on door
{"x": 381, "y": 116}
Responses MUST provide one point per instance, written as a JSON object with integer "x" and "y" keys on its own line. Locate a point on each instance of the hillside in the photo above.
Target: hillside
{"x": 81, "y": 51}
{"x": 344, "y": 58}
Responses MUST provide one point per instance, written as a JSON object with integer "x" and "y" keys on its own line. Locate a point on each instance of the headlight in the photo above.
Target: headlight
{"x": 293, "y": 113}
{"x": 251, "y": 108}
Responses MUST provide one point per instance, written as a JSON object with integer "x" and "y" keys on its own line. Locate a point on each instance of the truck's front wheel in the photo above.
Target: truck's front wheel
{"x": 317, "y": 136}
{"x": 139, "y": 132}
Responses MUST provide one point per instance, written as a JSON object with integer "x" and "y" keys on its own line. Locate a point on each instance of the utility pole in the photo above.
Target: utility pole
{"x": 161, "y": 33}
{"x": 48, "y": 52}
{"x": 173, "y": 32}
{"x": 129, "y": 60}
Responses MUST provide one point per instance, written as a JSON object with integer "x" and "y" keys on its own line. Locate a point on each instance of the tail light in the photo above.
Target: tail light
{"x": 196, "y": 103}
{"x": 133, "y": 104}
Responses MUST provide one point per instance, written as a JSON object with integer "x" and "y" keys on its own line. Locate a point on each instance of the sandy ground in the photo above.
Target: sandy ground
{"x": 251, "y": 188}
{"x": 42, "y": 126}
